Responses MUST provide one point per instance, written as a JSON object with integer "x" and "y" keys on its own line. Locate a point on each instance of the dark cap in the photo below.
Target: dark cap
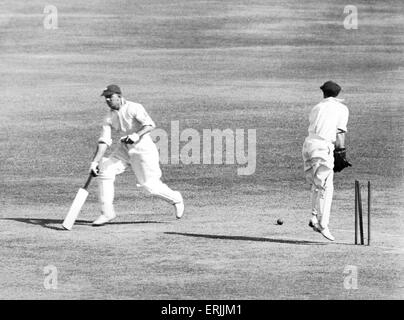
{"x": 330, "y": 88}
{"x": 111, "y": 89}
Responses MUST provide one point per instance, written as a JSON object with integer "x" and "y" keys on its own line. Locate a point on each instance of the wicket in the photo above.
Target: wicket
{"x": 359, "y": 213}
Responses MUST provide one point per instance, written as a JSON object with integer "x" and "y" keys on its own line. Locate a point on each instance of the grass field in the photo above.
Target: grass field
{"x": 207, "y": 64}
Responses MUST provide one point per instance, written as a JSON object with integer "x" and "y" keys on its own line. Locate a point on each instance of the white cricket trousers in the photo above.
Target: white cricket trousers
{"x": 143, "y": 158}
{"x": 318, "y": 161}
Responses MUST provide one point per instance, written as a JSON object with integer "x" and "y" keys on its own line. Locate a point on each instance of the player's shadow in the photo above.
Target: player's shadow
{"x": 245, "y": 238}
{"x": 49, "y": 223}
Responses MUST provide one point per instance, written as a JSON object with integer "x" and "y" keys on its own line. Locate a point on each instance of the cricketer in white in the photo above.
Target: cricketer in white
{"x": 135, "y": 149}
{"x": 328, "y": 125}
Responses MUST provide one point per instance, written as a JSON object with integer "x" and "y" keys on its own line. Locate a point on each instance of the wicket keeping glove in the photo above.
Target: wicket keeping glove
{"x": 340, "y": 161}
{"x": 94, "y": 170}
{"x": 130, "y": 139}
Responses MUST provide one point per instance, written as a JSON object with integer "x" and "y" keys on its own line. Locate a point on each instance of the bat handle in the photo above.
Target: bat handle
{"x": 90, "y": 176}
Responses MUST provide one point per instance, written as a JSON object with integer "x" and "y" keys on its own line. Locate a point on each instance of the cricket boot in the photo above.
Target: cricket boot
{"x": 327, "y": 234}
{"x": 314, "y": 223}
{"x": 105, "y": 217}
{"x": 179, "y": 208}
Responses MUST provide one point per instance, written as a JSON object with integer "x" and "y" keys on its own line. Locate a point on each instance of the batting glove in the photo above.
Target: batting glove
{"x": 130, "y": 139}
{"x": 94, "y": 169}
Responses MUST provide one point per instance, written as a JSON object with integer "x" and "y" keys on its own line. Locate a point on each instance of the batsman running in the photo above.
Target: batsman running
{"x": 324, "y": 153}
{"x": 135, "y": 149}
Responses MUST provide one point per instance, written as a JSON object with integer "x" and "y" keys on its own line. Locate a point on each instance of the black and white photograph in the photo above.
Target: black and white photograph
{"x": 202, "y": 150}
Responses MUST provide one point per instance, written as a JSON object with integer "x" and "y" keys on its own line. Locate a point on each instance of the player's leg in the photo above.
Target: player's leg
{"x": 324, "y": 182}
{"x": 318, "y": 164}
{"x": 315, "y": 193}
{"x": 325, "y": 200}
{"x": 314, "y": 197}
{"x": 146, "y": 167}
{"x": 309, "y": 166}
{"x": 109, "y": 168}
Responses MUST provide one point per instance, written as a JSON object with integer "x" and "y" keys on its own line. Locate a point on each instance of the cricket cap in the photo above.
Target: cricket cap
{"x": 111, "y": 89}
{"x": 330, "y": 88}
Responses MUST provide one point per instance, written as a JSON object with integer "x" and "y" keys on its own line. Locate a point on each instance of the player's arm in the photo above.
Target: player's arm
{"x": 141, "y": 116}
{"x": 136, "y": 136}
{"x": 99, "y": 153}
{"x": 340, "y": 140}
{"x": 342, "y": 124}
{"x": 104, "y": 142}
{"x": 145, "y": 129}
{"x": 340, "y": 161}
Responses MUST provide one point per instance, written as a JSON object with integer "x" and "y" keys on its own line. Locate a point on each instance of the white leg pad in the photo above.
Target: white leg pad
{"x": 109, "y": 168}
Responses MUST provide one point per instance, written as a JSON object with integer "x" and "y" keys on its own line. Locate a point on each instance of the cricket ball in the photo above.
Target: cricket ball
{"x": 280, "y": 221}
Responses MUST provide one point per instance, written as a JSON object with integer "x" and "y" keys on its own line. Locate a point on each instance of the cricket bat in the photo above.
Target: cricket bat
{"x": 76, "y": 206}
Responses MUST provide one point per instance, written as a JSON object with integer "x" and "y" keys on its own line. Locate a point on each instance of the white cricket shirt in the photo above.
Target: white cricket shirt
{"x": 327, "y": 118}
{"x": 130, "y": 118}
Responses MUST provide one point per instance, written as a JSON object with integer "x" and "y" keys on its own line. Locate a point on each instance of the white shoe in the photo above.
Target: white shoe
{"x": 327, "y": 234}
{"x": 103, "y": 219}
{"x": 179, "y": 208}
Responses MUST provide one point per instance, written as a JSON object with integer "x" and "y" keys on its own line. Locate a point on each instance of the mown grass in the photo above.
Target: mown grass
{"x": 206, "y": 65}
